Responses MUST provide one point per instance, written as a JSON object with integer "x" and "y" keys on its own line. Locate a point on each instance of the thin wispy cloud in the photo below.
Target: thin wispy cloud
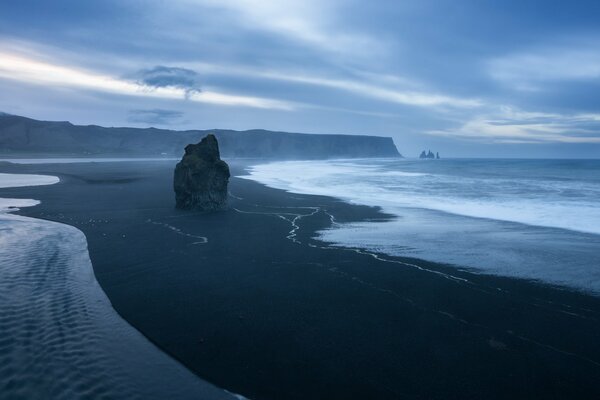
{"x": 539, "y": 66}
{"x": 155, "y": 116}
{"x": 309, "y": 22}
{"x": 30, "y": 71}
{"x": 176, "y": 82}
{"x": 516, "y": 126}
{"x": 405, "y": 97}
{"x": 384, "y": 88}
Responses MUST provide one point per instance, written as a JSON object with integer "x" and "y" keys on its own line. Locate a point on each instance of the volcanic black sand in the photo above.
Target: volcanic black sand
{"x": 249, "y": 301}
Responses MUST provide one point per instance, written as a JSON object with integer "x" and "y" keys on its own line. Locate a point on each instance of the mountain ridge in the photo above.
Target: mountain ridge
{"x": 22, "y": 135}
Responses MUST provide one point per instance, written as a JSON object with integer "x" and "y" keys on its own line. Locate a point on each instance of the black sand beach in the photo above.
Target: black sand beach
{"x": 250, "y": 302}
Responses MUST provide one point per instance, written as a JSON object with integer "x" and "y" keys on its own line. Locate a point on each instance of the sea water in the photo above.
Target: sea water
{"x": 530, "y": 219}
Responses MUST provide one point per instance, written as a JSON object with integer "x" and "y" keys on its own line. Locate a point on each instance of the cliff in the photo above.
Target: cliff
{"x": 20, "y": 135}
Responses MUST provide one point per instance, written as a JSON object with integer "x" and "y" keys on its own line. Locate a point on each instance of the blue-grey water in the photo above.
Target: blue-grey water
{"x": 530, "y": 219}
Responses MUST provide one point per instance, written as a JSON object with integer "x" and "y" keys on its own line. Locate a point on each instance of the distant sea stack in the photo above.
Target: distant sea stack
{"x": 201, "y": 177}
{"x": 429, "y": 155}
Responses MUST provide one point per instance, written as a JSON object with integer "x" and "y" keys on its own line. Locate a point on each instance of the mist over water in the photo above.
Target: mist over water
{"x": 533, "y": 219}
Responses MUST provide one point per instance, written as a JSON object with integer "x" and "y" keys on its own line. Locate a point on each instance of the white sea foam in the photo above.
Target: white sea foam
{"x": 513, "y": 232}
{"x": 20, "y": 180}
{"x": 61, "y": 338}
{"x": 371, "y": 185}
{"x": 15, "y": 204}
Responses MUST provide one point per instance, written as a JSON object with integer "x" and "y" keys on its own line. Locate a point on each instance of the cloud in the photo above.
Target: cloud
{"x": 161, "y": 76}
{"x": 389, "y": 94}
{"x": 155, "y": 116}
{"x": 386, "y": 68}
{"x": 388, "y": 88}
{"x": 532, "y": 69}
{"x": 515, "y": 126}
{"x": 31, "y": 71}
{"x": 313, "y": 23}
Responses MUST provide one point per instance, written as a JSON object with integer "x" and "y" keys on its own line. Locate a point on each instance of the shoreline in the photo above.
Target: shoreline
{"x": 253, "y": 293}
{"x": 62, "y": 337}
{"x": 438, "y": 215}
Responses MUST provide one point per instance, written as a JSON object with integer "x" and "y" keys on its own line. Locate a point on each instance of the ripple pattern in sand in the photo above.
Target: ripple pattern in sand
{"x": 60, "y": 338}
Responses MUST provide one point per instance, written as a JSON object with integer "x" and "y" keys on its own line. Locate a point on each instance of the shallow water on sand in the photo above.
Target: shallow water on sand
{"x": 61, "y": 338}
{"x": 532, "y": 219}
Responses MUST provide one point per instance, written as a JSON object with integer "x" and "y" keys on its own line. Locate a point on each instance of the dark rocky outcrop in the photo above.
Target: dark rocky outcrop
{"x": 428, "y": 155}
{"x": 201, "y": 177}
{"x": 25, "y": 136}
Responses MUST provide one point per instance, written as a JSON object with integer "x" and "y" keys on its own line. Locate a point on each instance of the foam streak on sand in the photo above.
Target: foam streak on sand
{"x": 201, "y": 239}
{"x": 61, "y": 338}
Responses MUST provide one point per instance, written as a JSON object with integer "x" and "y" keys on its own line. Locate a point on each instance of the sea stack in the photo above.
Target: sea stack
{"x": 201, "y": 177}
{"x": 428, "y": 155}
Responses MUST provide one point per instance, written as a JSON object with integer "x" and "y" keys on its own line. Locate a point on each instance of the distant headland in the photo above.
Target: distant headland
{"x": 20, "y": 136}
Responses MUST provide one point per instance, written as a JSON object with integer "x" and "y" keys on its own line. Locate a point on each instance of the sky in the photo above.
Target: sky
{"x": 465, "y": 78}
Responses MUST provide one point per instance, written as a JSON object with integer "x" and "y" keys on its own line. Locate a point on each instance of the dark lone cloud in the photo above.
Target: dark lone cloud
{"x": 161, "y": 76}
{"x": 155, "y": 116}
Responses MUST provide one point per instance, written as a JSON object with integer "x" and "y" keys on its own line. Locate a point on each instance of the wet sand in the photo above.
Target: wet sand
{"x": 249, "y": 301}
{"x": 61, "y": 338}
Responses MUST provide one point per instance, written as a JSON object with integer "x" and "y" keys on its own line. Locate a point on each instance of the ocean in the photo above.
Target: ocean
{"x": 530, "y": 219}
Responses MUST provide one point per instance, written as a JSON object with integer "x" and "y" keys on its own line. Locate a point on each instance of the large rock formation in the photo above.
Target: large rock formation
{"x": 201, "y": 177}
